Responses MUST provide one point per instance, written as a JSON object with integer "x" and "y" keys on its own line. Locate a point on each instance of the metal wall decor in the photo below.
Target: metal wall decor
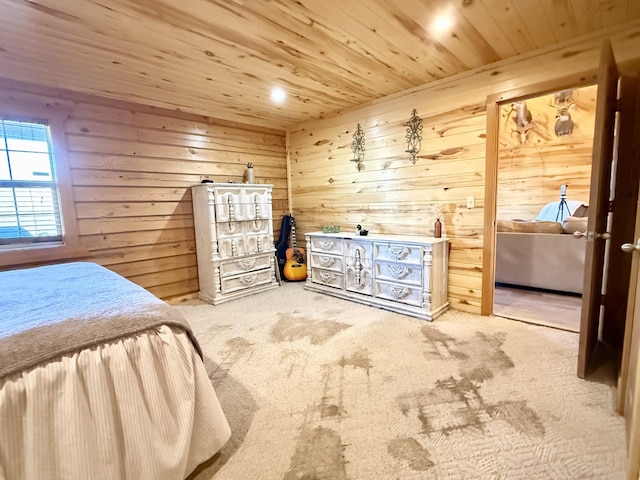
{"x": 414, "y": 135}
{"x": 357, "y": 147}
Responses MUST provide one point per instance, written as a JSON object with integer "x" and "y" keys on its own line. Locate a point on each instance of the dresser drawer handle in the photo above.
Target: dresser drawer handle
{"x": 327, "y": 261}
{"x": 327, "y": 245}
{"x": 398, "y": 292}
{"x": 326, "y": 277}
{"x": 249, "y": 279}
{"x": 398, "y": 251}
{"x": 232, "y": 211}
{"x": 247, "y": 263}
{"x": 398, "y": 272}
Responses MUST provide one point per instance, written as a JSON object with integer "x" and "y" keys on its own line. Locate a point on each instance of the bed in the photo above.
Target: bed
{"x": 99, "y": 379}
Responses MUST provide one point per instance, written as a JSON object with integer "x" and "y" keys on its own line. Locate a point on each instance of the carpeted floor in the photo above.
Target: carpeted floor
{"x": 320, "y": 388}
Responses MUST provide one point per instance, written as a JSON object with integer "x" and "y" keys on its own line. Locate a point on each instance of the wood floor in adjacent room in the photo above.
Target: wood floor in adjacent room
{"x": 540, "y": 308}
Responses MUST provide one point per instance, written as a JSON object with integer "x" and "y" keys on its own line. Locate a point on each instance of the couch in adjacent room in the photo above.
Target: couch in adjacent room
{"x": 543, "y": 254}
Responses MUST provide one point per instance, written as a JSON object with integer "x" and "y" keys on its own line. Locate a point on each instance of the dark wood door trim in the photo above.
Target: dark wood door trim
{"x": 603, "y": 146}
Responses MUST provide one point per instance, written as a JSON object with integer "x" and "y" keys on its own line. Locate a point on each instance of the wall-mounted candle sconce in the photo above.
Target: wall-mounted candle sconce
{"x": 357, "y": 147}
{"x": 414, "y": 135}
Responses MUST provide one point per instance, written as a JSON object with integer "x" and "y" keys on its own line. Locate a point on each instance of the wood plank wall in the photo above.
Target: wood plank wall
{"x": 132, "y": 167}
{"x": 530, "y": 174}
{"x": 393, "y": 196}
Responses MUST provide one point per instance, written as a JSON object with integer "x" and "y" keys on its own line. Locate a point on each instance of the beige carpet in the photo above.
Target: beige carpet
{"x": 315, "y": 387}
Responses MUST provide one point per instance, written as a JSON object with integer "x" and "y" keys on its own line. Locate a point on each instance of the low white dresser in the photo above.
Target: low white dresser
{"x": 234, "y": 240}
{"x": 405, "y": 274}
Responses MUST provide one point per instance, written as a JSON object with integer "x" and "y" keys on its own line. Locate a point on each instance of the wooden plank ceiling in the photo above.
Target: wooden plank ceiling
{"x": 221, "y": 58}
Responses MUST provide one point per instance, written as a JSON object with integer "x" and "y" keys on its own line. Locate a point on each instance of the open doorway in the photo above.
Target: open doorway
{"x": 543, "y": 184}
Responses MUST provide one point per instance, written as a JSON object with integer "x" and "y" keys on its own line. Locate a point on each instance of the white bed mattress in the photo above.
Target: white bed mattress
{"x": 140, "y": 407}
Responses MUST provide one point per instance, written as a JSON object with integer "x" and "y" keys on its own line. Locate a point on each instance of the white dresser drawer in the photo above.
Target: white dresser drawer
{"x": 411, "y": 295}
{"x": 328, "y": 278}
{"x": 258, "y": 243}
{"x": 327, "y": 262}
{"x": 244, "y": 265}
{"x": 228, "y": 203}
{"x": 358, "y": 249}
{"x": 252, "y": 194}
{"x": 253, "y": 227}
{"x": 246, "y": 280}
{"x": 359, "y": 279}
{"x": 399, "y": 272}
{"x": 229, "y": 247}
{"x": 256, "y": 211}
{"x": 230, "y": 211}
{"x": 399, "y": 252}
{"x": 326, "y": 245}
{"x": 229, "y": 229}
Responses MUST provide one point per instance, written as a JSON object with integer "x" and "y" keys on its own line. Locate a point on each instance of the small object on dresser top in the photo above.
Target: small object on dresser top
{"x": 330, "y": 229}
{"x": 249, "y": 176}
{"x": 437, "y": 228}
{"x": 361, "y": 231}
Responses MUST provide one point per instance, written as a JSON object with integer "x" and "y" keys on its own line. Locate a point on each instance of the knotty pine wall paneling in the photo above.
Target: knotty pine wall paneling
{"x": 131, "y": 169}
{"x": 391, "y": 195}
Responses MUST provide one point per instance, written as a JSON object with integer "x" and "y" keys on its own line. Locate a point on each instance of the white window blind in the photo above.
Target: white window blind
{"x": 29, "y": 207}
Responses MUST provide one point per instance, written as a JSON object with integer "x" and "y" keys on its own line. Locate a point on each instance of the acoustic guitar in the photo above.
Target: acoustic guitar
{"x": 295, "y": 267}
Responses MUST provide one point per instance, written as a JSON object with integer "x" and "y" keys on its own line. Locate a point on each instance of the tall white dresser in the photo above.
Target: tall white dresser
{"x": 234, "y": 240}
{"x": 405, "y": 274}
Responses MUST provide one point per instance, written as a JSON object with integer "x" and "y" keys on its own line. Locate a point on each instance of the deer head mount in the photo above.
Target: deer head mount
{"x": 564, "y": 101}
{"x": 523, "y": 120}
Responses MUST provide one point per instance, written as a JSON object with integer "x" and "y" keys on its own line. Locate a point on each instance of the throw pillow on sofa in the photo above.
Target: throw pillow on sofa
{"x": 529, "y": 227}
{"x": 574, "y": 224}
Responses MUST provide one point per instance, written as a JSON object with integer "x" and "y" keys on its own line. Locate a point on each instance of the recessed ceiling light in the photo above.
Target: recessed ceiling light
{"x": 278, "y": 95}
{"x": 441, "y": 23}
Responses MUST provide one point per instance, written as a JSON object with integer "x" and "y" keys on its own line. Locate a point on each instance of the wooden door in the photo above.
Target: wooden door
{"x": 629, "y": 375}
{"x": 625, "y": 198}
{"x": 629, "y": 382}
{"x": 603, "y": 144}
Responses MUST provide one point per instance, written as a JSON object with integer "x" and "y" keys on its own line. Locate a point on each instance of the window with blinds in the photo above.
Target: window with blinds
{"x": 29, "y": 207}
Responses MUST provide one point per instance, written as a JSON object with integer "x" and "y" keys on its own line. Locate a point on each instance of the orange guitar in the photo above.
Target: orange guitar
{"x": 295, "y": 267}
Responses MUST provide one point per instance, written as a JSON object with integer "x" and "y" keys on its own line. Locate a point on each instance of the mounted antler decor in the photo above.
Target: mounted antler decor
{"x": 522, "y": 119}
{"x": 357, "y": 147}
{"x": 414, "y": 135}
{"x": 564, "y": 101}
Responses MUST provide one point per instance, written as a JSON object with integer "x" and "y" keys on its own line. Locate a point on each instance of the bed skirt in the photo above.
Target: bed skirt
{"x": 140, "y": 408}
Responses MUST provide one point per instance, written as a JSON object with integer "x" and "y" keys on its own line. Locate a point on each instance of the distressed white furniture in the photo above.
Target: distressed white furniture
{"x": 405, "y": 274}
{"x": 234, "y": 240}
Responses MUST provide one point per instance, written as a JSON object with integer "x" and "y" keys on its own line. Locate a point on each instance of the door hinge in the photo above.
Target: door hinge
{"x": 601, "y": 302}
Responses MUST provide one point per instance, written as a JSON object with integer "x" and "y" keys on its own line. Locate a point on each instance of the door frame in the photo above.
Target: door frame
{"x": 494, "y": 102}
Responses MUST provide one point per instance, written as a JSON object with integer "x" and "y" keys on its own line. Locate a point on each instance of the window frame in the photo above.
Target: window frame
{"x": 55, "y": 117}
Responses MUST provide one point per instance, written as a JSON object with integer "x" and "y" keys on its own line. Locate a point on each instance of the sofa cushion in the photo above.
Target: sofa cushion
{"x": 581, "y": 211}
{"x": 574, "y": 224}
{"x": 529, "y": 227}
